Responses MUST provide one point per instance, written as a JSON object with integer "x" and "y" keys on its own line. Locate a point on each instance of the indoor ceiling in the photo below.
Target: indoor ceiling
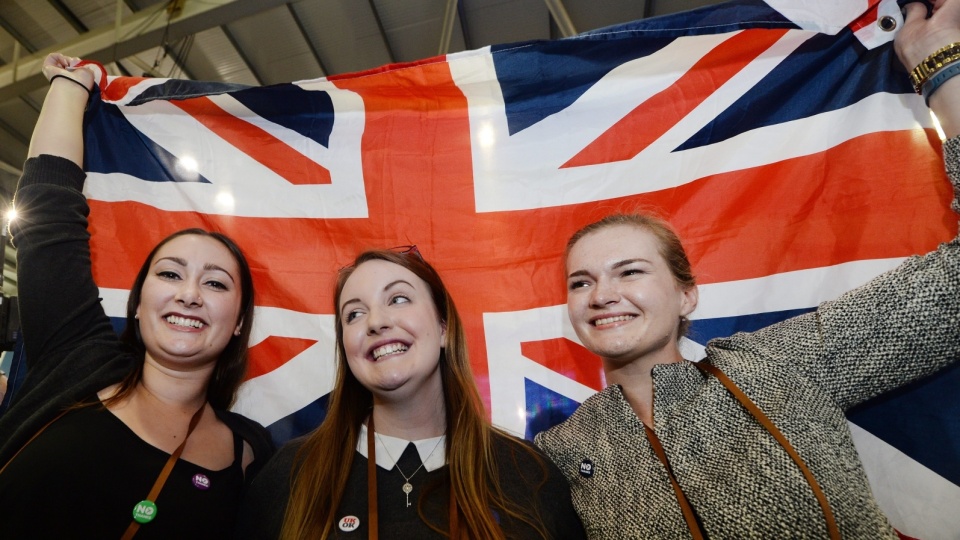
{"x": 261, "y": 42}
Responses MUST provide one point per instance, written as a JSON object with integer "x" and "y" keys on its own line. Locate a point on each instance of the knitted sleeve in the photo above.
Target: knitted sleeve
{"x": 900, "y": 326}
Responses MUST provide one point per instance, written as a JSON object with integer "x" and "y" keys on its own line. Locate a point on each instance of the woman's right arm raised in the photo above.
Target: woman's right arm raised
{"x": 59, "y": 303}
{"x": 59, "y": 130}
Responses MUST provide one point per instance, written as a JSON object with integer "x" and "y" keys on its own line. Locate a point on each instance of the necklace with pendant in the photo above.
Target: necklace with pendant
{"x": 374, "y": 533}
{"x": 407, "y": 486}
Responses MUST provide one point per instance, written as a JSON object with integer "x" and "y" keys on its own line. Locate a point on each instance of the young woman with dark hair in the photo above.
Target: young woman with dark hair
{"x": 113, "y": 437}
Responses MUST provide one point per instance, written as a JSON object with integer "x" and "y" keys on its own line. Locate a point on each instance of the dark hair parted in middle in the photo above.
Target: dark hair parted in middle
{"x": 232, "y": 362}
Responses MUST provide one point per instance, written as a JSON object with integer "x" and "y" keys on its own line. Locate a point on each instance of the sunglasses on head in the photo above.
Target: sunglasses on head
{"x": 407, "y": 250}
{"x": 402, "y": 250}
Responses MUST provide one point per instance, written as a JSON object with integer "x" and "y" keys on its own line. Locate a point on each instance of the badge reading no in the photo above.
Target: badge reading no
{"x": 586, "y": 468}
{"x": 144, "y": 511}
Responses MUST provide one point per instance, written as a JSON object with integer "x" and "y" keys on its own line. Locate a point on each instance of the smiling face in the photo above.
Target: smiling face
{"x": 622, "y": 299}
{"x": 392, "y": 333}
{"x": 190, "y": 303}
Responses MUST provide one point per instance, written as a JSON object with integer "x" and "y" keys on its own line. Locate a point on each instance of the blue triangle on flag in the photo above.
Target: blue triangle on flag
{"x": 300, "y": 422}
{"x": 703, "y": 330}
{"x": 545, "y": 408}
{"x": 919, "y": 419}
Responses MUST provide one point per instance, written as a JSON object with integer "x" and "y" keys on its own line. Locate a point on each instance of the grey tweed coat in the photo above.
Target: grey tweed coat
{"x": 803, "y": 373}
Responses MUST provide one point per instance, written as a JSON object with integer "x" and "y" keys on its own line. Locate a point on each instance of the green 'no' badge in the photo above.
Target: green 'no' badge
{"x": 144, "y": 511}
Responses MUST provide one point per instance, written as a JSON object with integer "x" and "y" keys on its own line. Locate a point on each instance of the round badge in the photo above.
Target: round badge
{"x": 586, "y": 468}
{"x": 200, "y": 481}
{"x": 349, "y": 523}
{"x": 144, "y": 511}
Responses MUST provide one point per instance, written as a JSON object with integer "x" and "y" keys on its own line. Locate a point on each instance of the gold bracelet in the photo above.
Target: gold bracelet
{"x": 931, "y": 64}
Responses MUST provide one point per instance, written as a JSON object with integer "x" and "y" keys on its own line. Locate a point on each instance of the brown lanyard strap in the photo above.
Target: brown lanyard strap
{"x": 775, "y": 432}
{"x": 454, "y": 514}
{"x": 372, "y": 517}
{"x": 35, "y": 435}
{"x": 685, "y": 507}
{"x": 372, "y": 490}
{"x": 165, "y": 472}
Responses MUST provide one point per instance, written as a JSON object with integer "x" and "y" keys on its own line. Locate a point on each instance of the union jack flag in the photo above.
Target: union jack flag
{"x": 781, "y": 138}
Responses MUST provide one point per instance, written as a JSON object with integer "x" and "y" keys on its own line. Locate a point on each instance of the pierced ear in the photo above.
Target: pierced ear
{"x": 236, "y": 331}
{"x": 136, "y": 314}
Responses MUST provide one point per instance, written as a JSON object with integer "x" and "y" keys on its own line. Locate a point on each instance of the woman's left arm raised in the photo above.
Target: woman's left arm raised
{"x": 905, "y": 324}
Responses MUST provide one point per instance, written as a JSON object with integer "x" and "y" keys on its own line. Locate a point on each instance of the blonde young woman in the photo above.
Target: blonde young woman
{"x": 405, "y": 393}
{"x": 674, "y": 446}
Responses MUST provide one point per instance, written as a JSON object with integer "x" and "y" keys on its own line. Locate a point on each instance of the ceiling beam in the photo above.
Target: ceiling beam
{"x": 560, "y": 16}
{"x": 243, "y": 55}
{"x": 383, "y": 32}
{"x": 15, "y": 34}
{"x": 449, "y": 19}
{"x": 141, "y": 31}
{"x": 68, "y": 15}
{"x": 306, "y": 37}
{"x": 649, "y": 9}
{"x": 464, "y": 28}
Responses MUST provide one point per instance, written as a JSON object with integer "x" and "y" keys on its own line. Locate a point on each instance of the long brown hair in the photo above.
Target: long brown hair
{"x": 668, "y": 243}
{"x": 231, "y": 364}
{"x": 321, "y": 471}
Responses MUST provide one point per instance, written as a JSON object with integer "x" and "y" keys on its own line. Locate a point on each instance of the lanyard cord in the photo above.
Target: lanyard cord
{"x": 688, "y": 515}
{"x": 161, "y": 479}
{"x": 30, "y": 440}
{"x": 165, "y": 472}
{"x": 372, "y": 515}
{"x": 832, "y": 528}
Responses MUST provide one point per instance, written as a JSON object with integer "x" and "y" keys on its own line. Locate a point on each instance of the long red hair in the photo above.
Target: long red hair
{"x": 320, "y": 471}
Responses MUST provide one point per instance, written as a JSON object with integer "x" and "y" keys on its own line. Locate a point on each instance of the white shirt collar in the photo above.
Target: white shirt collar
{"x": 389, "y": 449}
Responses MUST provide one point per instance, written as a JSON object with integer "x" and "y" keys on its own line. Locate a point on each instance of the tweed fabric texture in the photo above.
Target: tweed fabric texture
{"x": 803, "y": 373}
